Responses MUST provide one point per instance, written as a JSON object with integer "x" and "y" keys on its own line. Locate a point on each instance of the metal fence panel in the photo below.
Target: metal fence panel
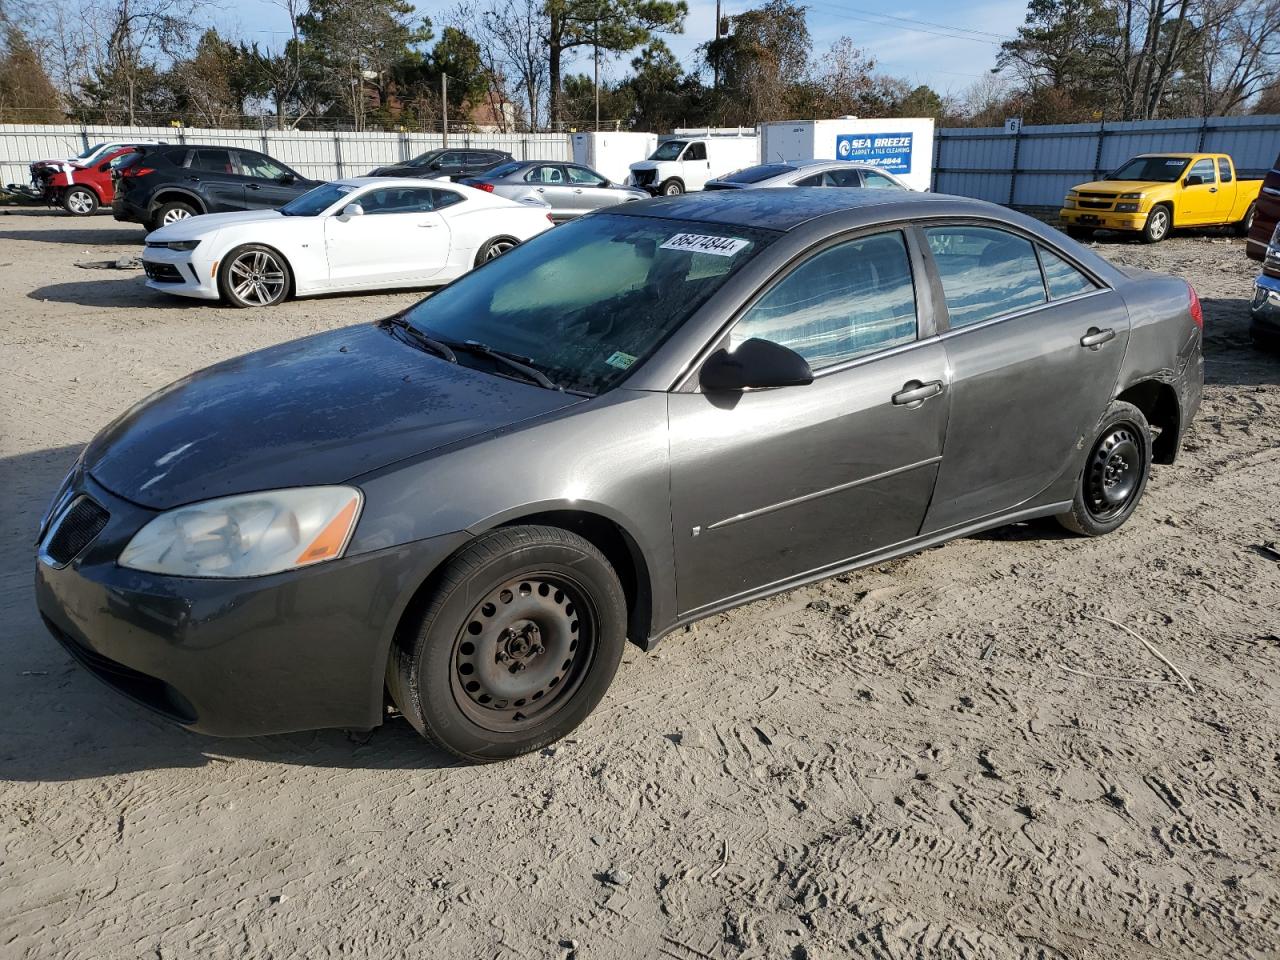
{"x": 320, "y": 155}
{"x": 1037, "y": 165}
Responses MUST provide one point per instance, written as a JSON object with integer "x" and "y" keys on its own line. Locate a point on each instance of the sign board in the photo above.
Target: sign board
{"x": 1013, "y": 125}
{"x": 888, "y": 151}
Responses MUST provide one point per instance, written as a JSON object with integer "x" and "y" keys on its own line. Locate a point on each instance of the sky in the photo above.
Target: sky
{"x": 947, "y": 45}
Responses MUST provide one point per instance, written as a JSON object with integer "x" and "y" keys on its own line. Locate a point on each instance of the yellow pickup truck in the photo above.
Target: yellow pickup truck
{"x": 1155, "y": 192}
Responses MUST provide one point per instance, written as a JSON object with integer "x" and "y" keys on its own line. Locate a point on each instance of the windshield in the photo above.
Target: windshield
{"x": 1154, "y": 169}
{"x": 669, "y": 150}
{"x": 424, "y": 159}
{"x": 90, "y": 152}
{"x": 315, "y": 202}
{"x": 756, "y": 174}
{"x": 588, "y": 301}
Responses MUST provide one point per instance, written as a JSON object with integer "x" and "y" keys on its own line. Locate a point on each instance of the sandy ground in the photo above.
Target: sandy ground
{"x": 908, "y": 762}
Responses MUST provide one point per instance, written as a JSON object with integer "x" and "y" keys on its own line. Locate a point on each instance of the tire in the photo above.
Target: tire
{"x": 1159, "y": 223}
{"x": 493, "y": 249}
{"x": 1246, "y": 223}
{"x": 80, "y": 202}
{"x": 1114, "y": 474}
{"x": 671, "y": 188}
{"x": 172, "y": 212}
{"x": 1080, "y": 233}
{"x": 254, "y": 276}
{"x": 515, "y": 646}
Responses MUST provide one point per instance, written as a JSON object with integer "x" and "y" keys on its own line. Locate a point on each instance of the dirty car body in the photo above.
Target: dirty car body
{"x": 966, "y": 394}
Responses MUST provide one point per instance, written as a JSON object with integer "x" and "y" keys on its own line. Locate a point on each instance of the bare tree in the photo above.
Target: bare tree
{"x": 1238, "y": 47}
{"x": 511, "y": 42}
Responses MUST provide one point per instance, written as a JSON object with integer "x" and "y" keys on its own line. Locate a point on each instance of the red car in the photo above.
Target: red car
{"x": 79, "y": 187}
{"x": 1265, "y": 214}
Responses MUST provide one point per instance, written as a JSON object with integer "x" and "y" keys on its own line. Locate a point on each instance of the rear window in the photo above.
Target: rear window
{"x": 755, "y": 174}
{"x": 505, "y": 170}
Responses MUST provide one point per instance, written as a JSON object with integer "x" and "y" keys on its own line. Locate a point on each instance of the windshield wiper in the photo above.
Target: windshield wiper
{"x": 430, "y": 343}
{"x": 512, "y": 361}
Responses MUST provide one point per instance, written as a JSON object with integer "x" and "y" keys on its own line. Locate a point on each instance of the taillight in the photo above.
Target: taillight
{"x": 1197, "y": 312}
{"x": 479, "y": 185}
{"x": 549, "y": 220}
{"x": 136, "y": 171}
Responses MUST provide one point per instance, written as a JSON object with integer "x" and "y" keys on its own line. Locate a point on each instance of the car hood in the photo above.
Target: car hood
{"x": 1121, "y": 186}
{"x": 207, "y": 223}
{"x": 319, "y": 410}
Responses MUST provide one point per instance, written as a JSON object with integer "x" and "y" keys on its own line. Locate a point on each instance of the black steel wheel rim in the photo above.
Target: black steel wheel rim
{"x": 1114, "y": 473}
{"x": 523, "y": 651}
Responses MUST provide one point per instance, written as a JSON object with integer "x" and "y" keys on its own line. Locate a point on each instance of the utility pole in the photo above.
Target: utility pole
{"x": 595, "y": 40}
{"x": 444, "y": 107}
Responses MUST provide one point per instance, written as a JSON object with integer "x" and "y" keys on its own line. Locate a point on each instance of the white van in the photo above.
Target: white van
{"x": 682, "y": 164}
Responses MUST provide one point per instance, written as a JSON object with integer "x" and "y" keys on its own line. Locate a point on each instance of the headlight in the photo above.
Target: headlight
{"x": 1069, "y": 203}
{"x": 1130, "y": 196}
{"x": 1127, "y": 208}
{"x": 183, "y": 244}
{"x": 248, "y": 535}
{"x": 1275, "y": 236}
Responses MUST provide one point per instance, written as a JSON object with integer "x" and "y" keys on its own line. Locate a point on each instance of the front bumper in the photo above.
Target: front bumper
{"x": 1102, "y": 220}
{"x": 299, "y": 650}
{"x": 184, "y": 273}
{"x": 1264, "y": 310}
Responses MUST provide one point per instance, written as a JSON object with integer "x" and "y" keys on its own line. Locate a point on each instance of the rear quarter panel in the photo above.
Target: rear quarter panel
{"x": 1165, "y": 345}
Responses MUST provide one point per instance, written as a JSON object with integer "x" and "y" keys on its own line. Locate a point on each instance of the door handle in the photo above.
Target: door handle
{"x": 253, "y": 186}
{"x": 1095, "y": 338}
{"x": 1213, "y": 189}
{"x": 426, "y": 225}
{"x": 194, "y": 179}
{"x": 914, "y": 393}
{"x": 577, "y": 191}
{"x": 541, "y": 190}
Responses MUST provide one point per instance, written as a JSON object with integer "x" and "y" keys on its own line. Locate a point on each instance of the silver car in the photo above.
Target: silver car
{"x": 569, "y": 188}
{"x": 808, "y": 173}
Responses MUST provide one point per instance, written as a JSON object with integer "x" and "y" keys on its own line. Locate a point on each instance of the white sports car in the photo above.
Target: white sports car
{"x": 359, "y": 234}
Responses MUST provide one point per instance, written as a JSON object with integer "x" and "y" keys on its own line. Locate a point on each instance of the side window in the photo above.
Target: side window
{"x": 547, "y": 173}
{"x": 813, "y": 181}
{"x": 843, "y": 178}
{"x": 444, "y": 198}
{"x": 1202, "y": 169}
{"x": 696, "y": 151}
{"x": 877, "y": 181}
{"x": 849, "y": 300}
{"x": 215, "y": 161}
{"x": 985, "y": 272}
{"x": 397, "y": 200}
{"x": 258, "y": 165}
{"x": 1063, "y": 279}
{"x": 583, "y": 176}
{"x": 1224, "y": 170}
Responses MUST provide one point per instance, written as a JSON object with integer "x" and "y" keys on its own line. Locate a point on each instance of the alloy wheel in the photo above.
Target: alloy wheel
{"x": 1159, "y": 223}
{"x": 79, "y": 202}
{"x": 1114, "y": 473}
{"x": 257, "y": 278}
{"x": 523, "y": 651}
{"x": 174, "y": 215}
{"x": 498, "y": 248}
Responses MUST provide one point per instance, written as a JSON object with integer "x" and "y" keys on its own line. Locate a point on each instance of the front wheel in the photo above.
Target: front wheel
{"x": 80, "y": 202}
{"x": 253, "y": 276}
{"x": 518, "y": 642}
{"x": 672, "y": 188}
{"x": 1114, "y": 475}
{"x": 1159, "y": 222}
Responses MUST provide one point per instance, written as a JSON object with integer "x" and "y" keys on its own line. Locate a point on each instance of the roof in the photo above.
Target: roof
{"x": 787, "y": 209}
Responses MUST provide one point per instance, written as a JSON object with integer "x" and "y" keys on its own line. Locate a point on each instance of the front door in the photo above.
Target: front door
{"x": 770, "y": 485}
{"x": 399, "y": 238}
{"x": 268, "y": 184}
{"x": 589, "y": 189}
{"x": 1034, "y": 346}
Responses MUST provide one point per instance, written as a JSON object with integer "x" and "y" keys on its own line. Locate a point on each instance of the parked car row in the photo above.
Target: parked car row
{"x": 618, "y": 427}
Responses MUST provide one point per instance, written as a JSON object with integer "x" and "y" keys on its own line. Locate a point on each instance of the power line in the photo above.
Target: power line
{"x": 931, "y": 23}
{"x": 844, "y": 12}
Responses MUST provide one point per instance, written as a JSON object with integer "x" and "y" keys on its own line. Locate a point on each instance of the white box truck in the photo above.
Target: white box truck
{"x": 611, "y": 153}
{"x": 902, "y": 146}
{"x": 683, "y": 163}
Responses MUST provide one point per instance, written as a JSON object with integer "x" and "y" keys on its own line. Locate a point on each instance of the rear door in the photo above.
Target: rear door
{"x": 213, "y": 170}
{"x": 551, "y": 183}
{"x": 1034, "y": 345}
{"x": 1226, "y": 195}
{"x": 768, "y": 486}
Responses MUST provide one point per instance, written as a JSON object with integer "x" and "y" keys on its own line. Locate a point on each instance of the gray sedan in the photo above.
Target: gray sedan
{"x": 622, "y": 426}
{"x": 569, "y": 188}
{"x": 808, "y": 173}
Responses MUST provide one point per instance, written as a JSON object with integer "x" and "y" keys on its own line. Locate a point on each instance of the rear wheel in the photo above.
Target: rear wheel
{"x": 172, "y": 212}
{"x": 517, "y": 644}
{"x": 1114, "y": 475}
{"x": 1246, "y": 223}
{"x": 80, "y": 201}
{"x": 253, "y": 276}
{"x": 492, "y": 249}
{"x": 1159, "y": 223}
{"x": 1080, "y": 233}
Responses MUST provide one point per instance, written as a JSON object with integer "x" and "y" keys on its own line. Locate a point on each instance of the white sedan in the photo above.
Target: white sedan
{"x": 359, "y": 234}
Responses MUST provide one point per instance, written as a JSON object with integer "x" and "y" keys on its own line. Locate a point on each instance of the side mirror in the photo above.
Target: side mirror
{"x": 1194, "y": 180}
{"x": 756, "y": 363}
{"x": 287, "y": 178}
{"x": 436, "y": 165}
{"x": 104, "y": 167}
{"x": 351, "y": 210}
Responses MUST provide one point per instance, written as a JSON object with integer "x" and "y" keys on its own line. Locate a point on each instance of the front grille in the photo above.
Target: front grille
{"x": 1094, "y": 204}
{"x": 645, "y": 178}
{"x": 162, "y": 272}
{"x": 1093, "y": 193}
{"x": 74, "y": 530}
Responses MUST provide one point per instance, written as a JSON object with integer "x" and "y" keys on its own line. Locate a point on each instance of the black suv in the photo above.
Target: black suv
{"x": 168, "y": 182}
{"x": 450, "y": 162}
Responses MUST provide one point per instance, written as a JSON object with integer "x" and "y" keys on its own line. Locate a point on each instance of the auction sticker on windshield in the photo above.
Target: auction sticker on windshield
{"x": 697, "y": 243}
